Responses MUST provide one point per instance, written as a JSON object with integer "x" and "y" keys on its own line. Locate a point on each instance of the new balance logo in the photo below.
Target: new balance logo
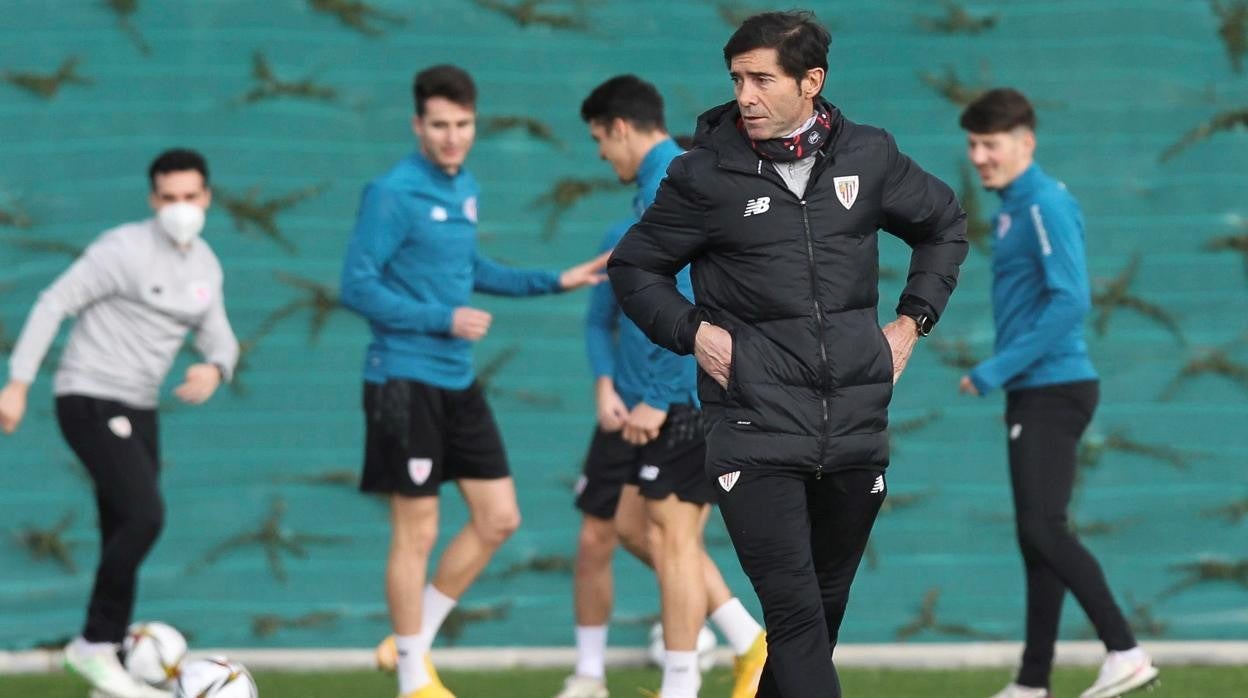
{"x": 649, "y": 473}
{"x": 878, "y": 487}
{"x": 753, "y": 207}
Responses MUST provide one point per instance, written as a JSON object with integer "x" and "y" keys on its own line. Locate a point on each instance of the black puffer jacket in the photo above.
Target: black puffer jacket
{"x": 795, "y": 281}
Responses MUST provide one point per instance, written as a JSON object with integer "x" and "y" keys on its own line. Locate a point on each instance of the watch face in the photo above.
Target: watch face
{"x": 925, "y": 324}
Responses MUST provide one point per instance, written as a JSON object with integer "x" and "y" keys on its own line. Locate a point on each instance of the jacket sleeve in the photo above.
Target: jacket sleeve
{"x": 644, "y": 266}
{"x": 600, "y": 331}
{"x": 380, "y": 227}
{"x": 924, "y": 212}
{"x": 497, "y": 279}
{"x": 602, "y": 319}
{"x": 1067, "y": 295}
{"x": 670, "y": 375}
{"x": 99, "y": 273}
{"x": 215, "y": 340}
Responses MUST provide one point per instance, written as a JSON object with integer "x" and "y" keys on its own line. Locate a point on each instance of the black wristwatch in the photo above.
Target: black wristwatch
{"x": 923, "y": 323}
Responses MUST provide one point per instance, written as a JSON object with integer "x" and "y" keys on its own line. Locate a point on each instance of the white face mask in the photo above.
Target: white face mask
{"x": 182, "y": 222}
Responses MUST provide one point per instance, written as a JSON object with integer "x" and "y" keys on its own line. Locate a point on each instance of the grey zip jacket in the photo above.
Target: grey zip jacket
{"x": 136, "y": 295}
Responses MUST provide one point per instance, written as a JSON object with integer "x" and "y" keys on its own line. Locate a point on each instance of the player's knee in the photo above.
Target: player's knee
{"x": 1040, "y": 534}
{"x": 671, "y": 543}
{"x": 416, "y": 538}
{"x": 597, "y": 539}
{"x": 497, "y": 527}
{"x": 791, "y": 615}
{"x": 144, "y": 524}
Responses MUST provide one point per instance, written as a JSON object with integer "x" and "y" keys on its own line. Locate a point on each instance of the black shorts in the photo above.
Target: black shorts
{"x": 674, "y": 463}
{"x": 419, "y": 436}
{"x": 610, "y": 464}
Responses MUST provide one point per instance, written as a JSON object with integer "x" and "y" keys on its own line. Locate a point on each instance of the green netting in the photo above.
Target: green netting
{"x": 1117, "y": 82}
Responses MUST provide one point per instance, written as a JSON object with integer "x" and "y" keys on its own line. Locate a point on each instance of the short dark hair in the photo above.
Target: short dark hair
{"x": 447, "y": 81}
{"x": 626, "y": 97}
{"x": 997, "y": 111}
{"x": 800, "y": 41}
{"x": 177, "y": 160}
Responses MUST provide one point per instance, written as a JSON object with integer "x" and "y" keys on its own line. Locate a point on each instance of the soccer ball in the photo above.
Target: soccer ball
{"x": 217, "y": 677}
{"x": 706, "y": 647}
{"x": 153, "y": 653}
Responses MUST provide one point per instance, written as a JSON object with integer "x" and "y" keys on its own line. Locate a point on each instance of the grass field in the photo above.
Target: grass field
{"x": 1177, "y": 682}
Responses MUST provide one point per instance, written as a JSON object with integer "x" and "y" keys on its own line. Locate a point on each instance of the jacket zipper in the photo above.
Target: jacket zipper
{"x": 823, "y": 348}
{"x": 820, "y": 166}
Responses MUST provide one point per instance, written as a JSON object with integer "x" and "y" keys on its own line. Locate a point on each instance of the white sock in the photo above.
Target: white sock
{"x": 681, "y": 677}
{"x": 413, "y": 674}
{"x": 1135, "y": 654}
{"x": 591, "y": 651}
{"x": 433, "y": 610}
{"x": 737, "y": 625}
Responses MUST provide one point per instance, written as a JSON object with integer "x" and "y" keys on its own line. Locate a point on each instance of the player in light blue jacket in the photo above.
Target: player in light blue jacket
{"x": 645, "y": 480}
{"x": 1040, "y": 297}
{"x": 411, "y": 267}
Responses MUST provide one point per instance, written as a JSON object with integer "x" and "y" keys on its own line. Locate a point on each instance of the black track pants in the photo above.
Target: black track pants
{"x": 800, "y": 539}
{"x": 1044, "y": 427}
{"x": 119, "y": 446}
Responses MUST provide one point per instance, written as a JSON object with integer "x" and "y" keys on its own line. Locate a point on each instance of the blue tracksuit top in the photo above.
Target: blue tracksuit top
{"x": 412, "y": 259}
{"x": 641, "y": 370}
{"x": 1040, "y": 293}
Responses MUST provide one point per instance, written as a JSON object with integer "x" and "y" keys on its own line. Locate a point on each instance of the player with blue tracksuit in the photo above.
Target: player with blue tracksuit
{"x": 644, "y": 481}
{"x": 411, "y": 268}
{"x": 1040, "y": 298}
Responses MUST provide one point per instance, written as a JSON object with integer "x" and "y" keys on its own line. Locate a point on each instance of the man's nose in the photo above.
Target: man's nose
{"x": 747, "y": 96}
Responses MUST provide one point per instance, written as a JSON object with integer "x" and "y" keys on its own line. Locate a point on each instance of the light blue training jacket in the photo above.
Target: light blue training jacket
{"x": 641, "y": 370}
{"x": 411, "y": 261}
{"x": 1040, "y": 291}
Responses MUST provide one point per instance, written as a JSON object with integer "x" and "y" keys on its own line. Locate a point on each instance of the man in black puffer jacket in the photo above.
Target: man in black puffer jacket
{"x": 777, "y": 208}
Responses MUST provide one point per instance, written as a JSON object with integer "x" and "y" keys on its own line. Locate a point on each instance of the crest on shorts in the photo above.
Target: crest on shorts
{"x": 419, "y": 469}
{"x": 729, "y": 480}
{"x": 581, "y": 483}
{"x": 846, "y": 190}
{"x": 120, "y": 426}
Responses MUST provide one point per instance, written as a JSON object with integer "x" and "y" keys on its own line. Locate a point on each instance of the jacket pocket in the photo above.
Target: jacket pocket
{"x": 736, "y": 364}
{"x": 888, "y": 352}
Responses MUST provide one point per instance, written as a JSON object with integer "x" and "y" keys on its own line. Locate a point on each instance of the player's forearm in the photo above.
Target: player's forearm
{"x": 36, "y": 337}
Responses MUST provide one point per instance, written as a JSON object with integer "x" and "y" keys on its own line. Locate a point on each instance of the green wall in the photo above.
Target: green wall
{"x": 1117, "y": 81}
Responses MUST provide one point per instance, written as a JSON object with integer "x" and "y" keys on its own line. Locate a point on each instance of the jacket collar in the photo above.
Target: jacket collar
{"x": 1023, "y": 186}
{"x": 654, "y": 165}
{"x": 424, "y": 164}
{"x": 717, "y": 131}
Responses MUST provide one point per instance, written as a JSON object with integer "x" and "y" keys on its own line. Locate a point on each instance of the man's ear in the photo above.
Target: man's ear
{"x": 618, "y": 127}
{"x": 812, "y": 82}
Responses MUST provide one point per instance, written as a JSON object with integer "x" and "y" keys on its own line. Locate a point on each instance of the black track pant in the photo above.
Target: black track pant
{"x": 800, "y": 539}
{"x": 119, "y": 447}
{"x": 1044, "y": 427}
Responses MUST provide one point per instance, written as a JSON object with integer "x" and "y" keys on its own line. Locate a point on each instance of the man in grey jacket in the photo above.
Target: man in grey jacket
{"x": 136, "y": 292}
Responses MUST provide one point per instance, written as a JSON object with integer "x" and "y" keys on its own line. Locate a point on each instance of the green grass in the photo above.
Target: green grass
{"x": 1177, "y": 682}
